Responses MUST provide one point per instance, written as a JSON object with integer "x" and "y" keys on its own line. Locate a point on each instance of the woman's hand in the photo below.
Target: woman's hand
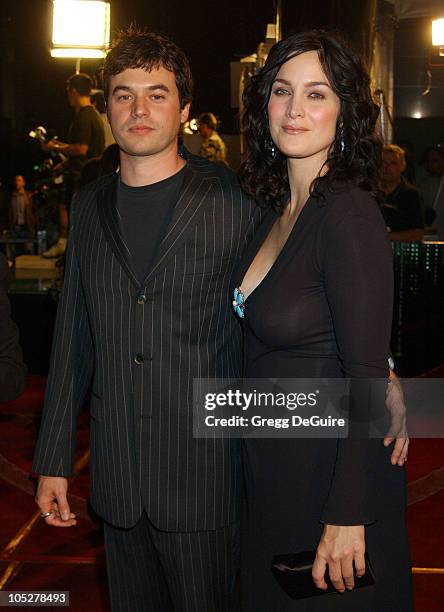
{"x": 340, "y": 547}
{"x": 395, "y": 403}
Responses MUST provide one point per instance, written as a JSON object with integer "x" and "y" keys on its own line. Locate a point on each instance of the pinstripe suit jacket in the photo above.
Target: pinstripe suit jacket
{"x": 141, "y": 345}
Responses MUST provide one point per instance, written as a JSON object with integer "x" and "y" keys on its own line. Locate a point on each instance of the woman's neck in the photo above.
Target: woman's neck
{"x": 301, "y": 174}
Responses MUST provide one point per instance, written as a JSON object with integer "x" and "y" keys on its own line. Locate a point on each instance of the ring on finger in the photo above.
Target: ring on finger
{"x": 46, "y": 514}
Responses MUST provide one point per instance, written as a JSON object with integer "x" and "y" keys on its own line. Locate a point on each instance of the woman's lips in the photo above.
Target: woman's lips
{"x": 291, "y": 129}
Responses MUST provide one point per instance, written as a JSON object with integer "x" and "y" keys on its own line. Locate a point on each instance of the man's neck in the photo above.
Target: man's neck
{"x": 81, "y": 102}
{"x": 390, "y": 187}
{"x": 137, "y": 171}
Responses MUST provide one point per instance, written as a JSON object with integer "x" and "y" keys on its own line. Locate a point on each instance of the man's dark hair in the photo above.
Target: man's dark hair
{"x": 135, "y": 48}
{"x": 81, "y": 82}
{"x": 358, "y": 159}
{"x": 209, "y": 120}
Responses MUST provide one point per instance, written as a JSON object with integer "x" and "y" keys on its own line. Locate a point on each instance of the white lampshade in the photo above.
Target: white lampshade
{"x": 80, "y": 28}
{"x": 438, "y": 32}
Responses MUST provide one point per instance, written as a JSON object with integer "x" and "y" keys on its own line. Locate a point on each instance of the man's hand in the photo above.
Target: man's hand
{"x": 51, "y": 497}
{"x": 398, "y": 427}
{"x": 51, "y": 145}
{"x": 339, "y": 548}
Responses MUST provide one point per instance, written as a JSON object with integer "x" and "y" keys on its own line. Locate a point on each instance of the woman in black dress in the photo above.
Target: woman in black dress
{"x": 316, "y": 286}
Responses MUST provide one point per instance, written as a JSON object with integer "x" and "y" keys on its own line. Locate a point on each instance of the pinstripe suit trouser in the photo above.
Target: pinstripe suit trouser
{"x": 163, "y": 571}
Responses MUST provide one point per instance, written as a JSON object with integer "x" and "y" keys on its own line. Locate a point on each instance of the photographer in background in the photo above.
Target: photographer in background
{"x": 401, "y": 203}
{"x": 432, "y": 190}
{"x": 213, "y": 147}
{"x": 12, "y": 368}
{"x": 98, "y": 101}
{"x": 86, "y": 139}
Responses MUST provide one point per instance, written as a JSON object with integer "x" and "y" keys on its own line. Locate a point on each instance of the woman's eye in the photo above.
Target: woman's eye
{"x": 315, "y": 95}
{"x": 124, "y": 97}
{"x": 280, "y": 91}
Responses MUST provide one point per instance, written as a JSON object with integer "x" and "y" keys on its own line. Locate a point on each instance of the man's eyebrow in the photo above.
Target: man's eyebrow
{"x": 309, "y": 84}
{"x": 154, "y": 87}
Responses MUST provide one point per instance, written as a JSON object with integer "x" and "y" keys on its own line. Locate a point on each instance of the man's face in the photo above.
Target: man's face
{"x": 19, "y": 183}
{"x": 144, "y": 111}
{"x": 435, "y": 163}
{"x": 204, "y": 130}
{"x": 392, "y": 167}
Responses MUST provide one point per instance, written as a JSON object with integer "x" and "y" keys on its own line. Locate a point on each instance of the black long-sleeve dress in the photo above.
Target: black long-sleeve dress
{"x": 323, "y": 310}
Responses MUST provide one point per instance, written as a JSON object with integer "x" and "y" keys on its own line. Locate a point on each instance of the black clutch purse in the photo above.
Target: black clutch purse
{"x": 293, "y": 573}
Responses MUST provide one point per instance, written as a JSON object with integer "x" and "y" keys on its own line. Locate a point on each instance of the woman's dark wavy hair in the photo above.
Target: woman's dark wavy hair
{"x": 263, "y": 175}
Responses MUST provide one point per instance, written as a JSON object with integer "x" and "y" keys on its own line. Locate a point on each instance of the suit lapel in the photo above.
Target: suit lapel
{"x": 199, "y": 181}
{"x": 109, "y": 220}
{"x": 197, "y": 185}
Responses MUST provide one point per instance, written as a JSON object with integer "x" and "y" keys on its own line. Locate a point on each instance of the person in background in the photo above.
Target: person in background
{"x": 86, "y": 139}
{"x": 410, "y": 161}
{"x": 21, "y": 213}
{"x": 401, "y": 204}
{"x": 98, "y": 101}
{"x": 22, "y": 222}
{"x": 4, "y": 208}
{"x": 213, "y": 147}
{"x": 99, "y": 166}
{"x": 12, "y": 368}
{"x": 432, "y": 189}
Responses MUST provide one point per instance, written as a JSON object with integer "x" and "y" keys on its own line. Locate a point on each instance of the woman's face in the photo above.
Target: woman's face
{"x": 303, "y": 109}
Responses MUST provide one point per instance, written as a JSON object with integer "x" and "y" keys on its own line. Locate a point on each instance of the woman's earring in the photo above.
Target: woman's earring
{"x": 272, "y": 149}
{"x": 342, "y": 139}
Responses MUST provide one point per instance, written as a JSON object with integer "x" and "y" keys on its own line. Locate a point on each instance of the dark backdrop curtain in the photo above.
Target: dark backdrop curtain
{"x": 354, "y": 20}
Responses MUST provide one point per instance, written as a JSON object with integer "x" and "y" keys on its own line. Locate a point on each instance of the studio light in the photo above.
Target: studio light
{"x": 438, "y": 35}
{"x": 80, "y": 28}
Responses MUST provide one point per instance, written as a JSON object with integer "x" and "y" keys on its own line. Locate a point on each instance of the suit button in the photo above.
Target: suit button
{"x": 139, "y": 359}
{"x": 141, "y": 298}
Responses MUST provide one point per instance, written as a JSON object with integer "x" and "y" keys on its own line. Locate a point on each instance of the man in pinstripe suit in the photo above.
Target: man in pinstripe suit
{"x": 145, "y": 308}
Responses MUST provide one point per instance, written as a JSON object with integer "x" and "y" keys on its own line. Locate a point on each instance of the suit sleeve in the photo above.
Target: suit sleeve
{"x": 12, "y": 368}
{"x": 359, "y": 286}
{"x": 70, "y": 373}
{"x": 255, "y": 217}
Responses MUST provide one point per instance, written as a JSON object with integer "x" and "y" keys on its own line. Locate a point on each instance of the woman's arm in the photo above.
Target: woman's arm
{"x": 359, "y": 288}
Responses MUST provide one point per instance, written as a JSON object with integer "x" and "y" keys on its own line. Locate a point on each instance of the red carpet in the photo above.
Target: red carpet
{"x": 73, "y": 559}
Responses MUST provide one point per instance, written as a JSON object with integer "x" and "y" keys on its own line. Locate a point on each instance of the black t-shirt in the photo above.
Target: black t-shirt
{"x": 86, "y": 128}
{"x": 144, "y": 214}
{"x": 402, "y": 209}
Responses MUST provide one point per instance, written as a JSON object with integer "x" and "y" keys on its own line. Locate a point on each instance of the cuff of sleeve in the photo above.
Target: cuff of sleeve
{"x": 345, "y": 519}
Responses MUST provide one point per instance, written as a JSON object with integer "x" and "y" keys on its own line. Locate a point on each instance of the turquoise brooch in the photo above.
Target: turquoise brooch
{"x": 239, "y": 303}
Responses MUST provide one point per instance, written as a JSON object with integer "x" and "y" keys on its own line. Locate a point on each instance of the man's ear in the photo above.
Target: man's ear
{"x": 184, "y": 113}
